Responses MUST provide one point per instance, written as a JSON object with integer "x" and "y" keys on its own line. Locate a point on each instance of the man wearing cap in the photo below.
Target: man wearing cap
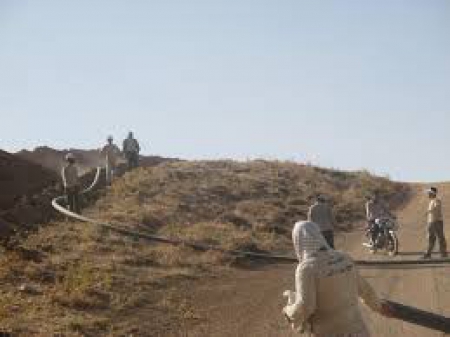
{"x": 111, "y": 153}
{"x": 322, "y": 215}
{"x": 71, "y": 184}
{"x": 435, "y": 224}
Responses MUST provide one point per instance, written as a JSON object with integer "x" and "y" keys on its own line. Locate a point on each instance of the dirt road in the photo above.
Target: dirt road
{"x": 249, "y": 303}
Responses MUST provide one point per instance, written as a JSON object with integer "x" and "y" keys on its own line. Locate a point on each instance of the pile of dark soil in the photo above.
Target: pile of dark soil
{"x": 26, "y": 192}
{"x": 53, "y": 159}
{"x": 21, "y": 179}
{"x": 31, "y": 179}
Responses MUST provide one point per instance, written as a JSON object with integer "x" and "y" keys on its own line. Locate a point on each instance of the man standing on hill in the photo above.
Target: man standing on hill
{"x": 322, "y": 215}
{"x": 71, "y": 184}
{"x": 111, "y": 154}
{"x": 435, "y": 224}
{"x": 131, "y": 150}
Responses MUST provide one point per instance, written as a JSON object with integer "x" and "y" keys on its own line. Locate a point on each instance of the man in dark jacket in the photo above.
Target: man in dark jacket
{"x": 131, "y": 151}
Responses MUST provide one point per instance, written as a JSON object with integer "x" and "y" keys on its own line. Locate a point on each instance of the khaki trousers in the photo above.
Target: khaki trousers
{"x": 436, "y": 231}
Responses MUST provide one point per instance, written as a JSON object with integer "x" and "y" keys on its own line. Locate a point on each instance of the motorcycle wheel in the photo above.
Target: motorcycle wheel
{"x": 392, "y": 244}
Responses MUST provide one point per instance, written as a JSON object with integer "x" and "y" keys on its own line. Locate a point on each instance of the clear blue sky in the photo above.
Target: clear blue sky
{"x": 347, "y": 84}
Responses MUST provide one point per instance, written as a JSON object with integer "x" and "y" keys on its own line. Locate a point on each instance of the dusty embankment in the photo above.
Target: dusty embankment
{"x": 25, "y": 193}
{"x": 27, "y": 189}
{"x": 83, "y": 281}
{"x": 31, "y": 179}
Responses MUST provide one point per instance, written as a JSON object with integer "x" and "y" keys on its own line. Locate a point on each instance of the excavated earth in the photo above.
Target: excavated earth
{"x": 30, "y": 180}
{"x": 25, "y": 194}
{"x": 53, "y": 159}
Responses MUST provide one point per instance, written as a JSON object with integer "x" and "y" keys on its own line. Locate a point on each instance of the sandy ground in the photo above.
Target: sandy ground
{"x": 249, "y": 303}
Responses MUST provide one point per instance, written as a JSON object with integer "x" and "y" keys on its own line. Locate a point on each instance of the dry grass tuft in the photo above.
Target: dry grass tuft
{"x": 84, "y": 286}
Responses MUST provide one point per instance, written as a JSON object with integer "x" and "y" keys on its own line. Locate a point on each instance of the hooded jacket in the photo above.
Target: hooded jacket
{"x": 328, "y": 287}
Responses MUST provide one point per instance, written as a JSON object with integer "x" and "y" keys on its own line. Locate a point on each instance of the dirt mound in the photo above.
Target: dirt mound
{"x": 26, "y": 192}
{"x": 31, "y": 179}
{"x": 20, "y": 178}
{"x": 53, "y": 159}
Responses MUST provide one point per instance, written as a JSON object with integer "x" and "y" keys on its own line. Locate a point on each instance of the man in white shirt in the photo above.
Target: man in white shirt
{"x": 435, "y": 219}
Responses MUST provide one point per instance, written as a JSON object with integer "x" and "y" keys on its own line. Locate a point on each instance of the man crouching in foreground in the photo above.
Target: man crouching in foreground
{"x": 328, "y": 287}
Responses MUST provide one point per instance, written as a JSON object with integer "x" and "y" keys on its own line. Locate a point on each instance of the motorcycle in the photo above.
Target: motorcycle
{"x": 385, "y": 238}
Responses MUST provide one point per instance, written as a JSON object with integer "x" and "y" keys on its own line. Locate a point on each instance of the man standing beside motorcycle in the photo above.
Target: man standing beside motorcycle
{"x": 375, "y": 210}
{"x": 435, "y": 224}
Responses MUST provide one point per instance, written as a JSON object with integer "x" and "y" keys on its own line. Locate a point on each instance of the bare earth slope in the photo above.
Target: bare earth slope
{"x": 53, "y": 159}
{"x": 249, "y": 303}
{"x": 19, "y": 177}
{"x": 25, "y": 187}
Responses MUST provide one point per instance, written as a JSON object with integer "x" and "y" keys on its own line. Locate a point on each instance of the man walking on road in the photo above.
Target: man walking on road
{"x": 71, "y": 184}
{"x": 322, "y": 215}
{"x": 435, "y": 224}
{"x": 131, "y": 150}
{"x": 111, "y": 154}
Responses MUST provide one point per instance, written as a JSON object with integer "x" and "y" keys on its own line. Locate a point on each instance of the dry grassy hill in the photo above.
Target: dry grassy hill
{"x": 258, "y": 195}
{"x": 83, "y": 281}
